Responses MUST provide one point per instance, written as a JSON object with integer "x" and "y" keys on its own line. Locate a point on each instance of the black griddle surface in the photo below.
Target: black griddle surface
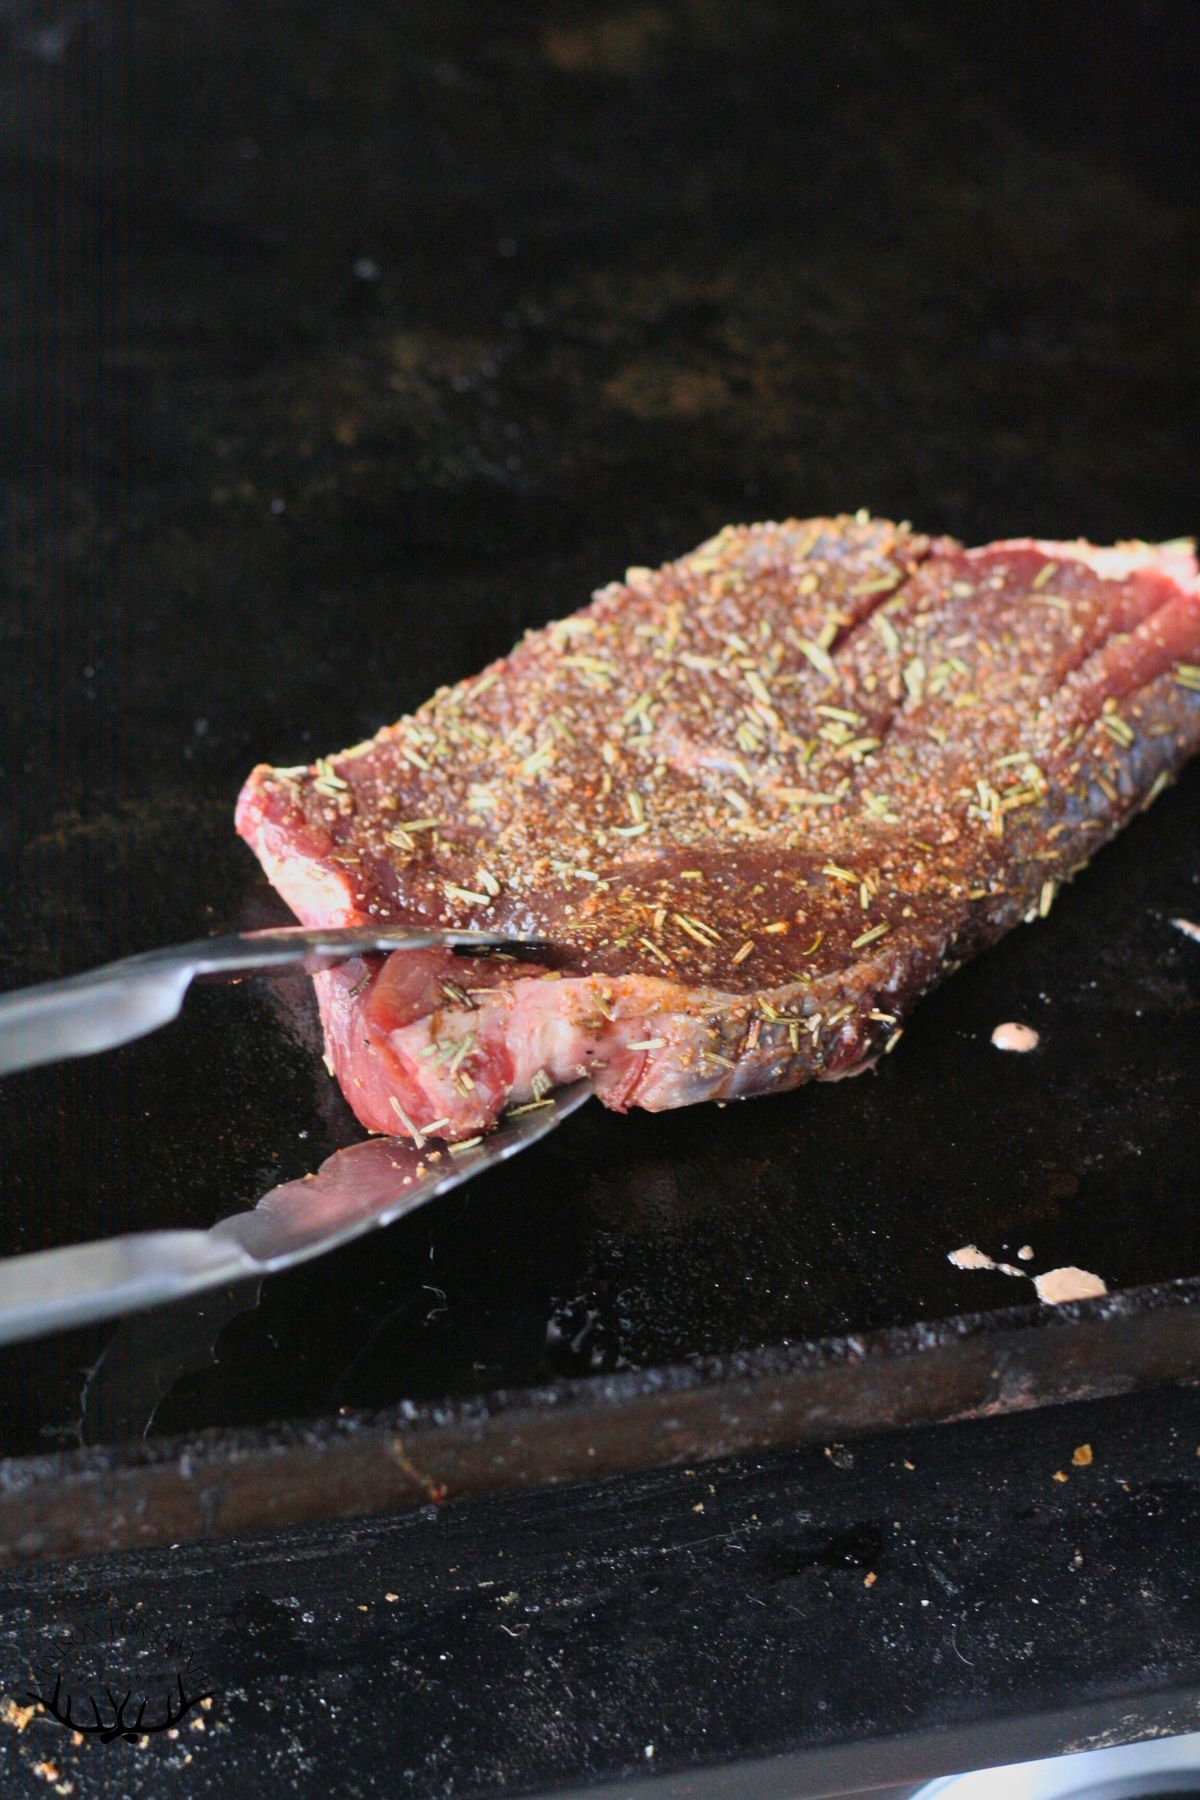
{"x": 348, "y": 346}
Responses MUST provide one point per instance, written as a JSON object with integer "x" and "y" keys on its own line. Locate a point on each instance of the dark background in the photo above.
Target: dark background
{"x": 342, "y": 342}
{"x": 345, "y": 342}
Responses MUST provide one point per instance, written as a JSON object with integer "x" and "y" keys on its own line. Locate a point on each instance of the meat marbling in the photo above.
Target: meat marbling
{"x": 759, "y": 800}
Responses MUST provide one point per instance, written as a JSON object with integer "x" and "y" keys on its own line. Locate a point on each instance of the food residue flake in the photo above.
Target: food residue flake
{"x": 1057, "y": 1286}
{"x": 1012, "y": 1036}
{"x": 1054, "y": 1288}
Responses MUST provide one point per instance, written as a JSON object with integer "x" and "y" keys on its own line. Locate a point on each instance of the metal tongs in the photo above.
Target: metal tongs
{"x": 356, "y": 1190}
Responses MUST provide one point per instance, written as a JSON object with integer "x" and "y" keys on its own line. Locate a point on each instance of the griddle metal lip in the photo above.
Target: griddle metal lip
{"x": 221, "y": 1483}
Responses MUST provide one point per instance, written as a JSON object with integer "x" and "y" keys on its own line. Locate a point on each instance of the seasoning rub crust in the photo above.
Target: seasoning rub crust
{"x": 760, "y": 800}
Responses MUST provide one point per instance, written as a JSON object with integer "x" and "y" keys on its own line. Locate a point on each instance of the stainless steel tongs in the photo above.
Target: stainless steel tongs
{"x": 125, "y": 1000}
{"x": 357, "y": 1190}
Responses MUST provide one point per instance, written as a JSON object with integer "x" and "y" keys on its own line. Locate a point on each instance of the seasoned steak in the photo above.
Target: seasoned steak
{"x": 759, "y": 800}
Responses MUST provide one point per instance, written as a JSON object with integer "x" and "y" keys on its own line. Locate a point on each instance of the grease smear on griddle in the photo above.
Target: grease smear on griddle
{"x": 972, "y": 1257}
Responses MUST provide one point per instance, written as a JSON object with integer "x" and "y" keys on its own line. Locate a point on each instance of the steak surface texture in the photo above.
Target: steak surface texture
{"x": 758, "y": 801}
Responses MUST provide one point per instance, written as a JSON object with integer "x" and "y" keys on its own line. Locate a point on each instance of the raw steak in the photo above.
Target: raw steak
{"x": 759, "y": 800}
